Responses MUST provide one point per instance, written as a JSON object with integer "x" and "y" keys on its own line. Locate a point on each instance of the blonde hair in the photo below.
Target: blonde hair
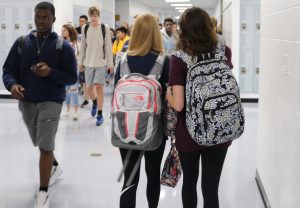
{"x": 214, "y": 21}
{"x": 94, "y": 10}
{"x": 145, "y": 36}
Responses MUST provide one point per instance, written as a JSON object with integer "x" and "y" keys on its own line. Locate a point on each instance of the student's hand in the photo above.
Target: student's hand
{"x": 42, "y": 69}
{"x": 17, "y": 91}
{"x": 111, "y": 70}
{"x": 81, "y": 68}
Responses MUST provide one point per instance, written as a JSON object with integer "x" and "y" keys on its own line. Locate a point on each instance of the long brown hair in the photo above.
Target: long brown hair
{"x": 72, "y": 32}
{"x": 196, "y": 33}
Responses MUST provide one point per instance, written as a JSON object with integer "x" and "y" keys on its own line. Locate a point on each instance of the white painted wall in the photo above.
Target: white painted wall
{"x": 122, "y": 9}
{"x": 231, "y": 30}
{"x": 108, "y": 12}
{"x": 136, "y": 7}
{"x": 64, "y": 13}
{"x": 217, "y": 12}
{"x": 235, "y": 47}
{"x": 278, "y": 142}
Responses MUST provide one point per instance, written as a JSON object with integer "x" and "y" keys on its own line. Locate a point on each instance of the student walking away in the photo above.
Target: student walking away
{"x": 35, "y": 75}
{"x": 95, "y": 59}
{"x": 206, "y": 96}
{"x": 69, "y": 34}
{"x": 137, "y": 124}
{"x": 169, "y": 37}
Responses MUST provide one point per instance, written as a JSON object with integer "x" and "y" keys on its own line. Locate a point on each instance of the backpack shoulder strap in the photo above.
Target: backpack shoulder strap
{"x": 59, "y": 43}
{"x": 124, "y": 68}
{"x": 21, "y": 43}
{"x": 103, "y": 34}
{"x": 186, "y": 58}
{"x": 158, "y": 66}
{"x": 86, "y": 27}
{"x": 103, "y": 30}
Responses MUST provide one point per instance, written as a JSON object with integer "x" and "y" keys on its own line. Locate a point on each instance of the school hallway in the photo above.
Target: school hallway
{"x": 91, "y": 165}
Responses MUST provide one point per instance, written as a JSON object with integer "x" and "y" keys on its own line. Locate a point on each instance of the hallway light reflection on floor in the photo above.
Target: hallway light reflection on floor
{"x": 162, "y": 194}
{"x": 174, "y": 193}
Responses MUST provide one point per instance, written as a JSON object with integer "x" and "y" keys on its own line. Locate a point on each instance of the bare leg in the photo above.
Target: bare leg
{"x": 85, "y": 92}
{"x": 100, "y": 96}
{"x": 46, "y": 162}
{"x": 91, "y": 90}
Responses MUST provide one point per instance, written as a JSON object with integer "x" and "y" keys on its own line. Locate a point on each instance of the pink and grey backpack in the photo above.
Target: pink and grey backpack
{"x": 137, "y": 107}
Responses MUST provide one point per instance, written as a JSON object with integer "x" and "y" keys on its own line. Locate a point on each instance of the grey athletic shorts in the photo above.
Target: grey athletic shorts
{"x": 42, "y": 121}
{"x": 95, "y": 75}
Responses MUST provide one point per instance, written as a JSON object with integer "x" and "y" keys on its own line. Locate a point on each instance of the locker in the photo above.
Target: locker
{"x": 257, "y": 71}
{"x": 249, "y": 46}
{"x": 246, "y": 71}
{"x": 247, "y": 27}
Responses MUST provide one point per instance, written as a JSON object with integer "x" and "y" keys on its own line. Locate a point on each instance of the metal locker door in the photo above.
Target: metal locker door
{"x": 257, "y": 70}
{"x": 246, "y": 71}
{"x": 247, "y": 27}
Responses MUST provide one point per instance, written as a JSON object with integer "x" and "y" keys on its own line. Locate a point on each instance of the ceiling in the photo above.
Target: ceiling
{"x": 161, "y": 4}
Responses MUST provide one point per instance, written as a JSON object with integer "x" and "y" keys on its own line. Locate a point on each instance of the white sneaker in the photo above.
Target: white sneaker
{"x": 55, "y": 173}
{"x": 41, "y": 200}
{"x": 75, "y": 116}
{"x": 67, "y": 113}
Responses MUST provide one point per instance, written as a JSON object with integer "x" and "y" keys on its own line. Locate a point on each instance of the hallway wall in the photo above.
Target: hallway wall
{"x": 278, "y": 142}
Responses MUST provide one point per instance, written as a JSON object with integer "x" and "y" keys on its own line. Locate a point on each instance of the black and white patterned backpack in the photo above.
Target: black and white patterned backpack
{"x": 214, "y": 113}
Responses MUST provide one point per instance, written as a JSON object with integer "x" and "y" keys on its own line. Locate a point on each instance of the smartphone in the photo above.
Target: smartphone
{"x": 33, "y": 67}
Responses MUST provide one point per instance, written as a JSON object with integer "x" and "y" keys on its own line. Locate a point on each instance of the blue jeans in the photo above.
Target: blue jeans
{"x": 72, "y": 96}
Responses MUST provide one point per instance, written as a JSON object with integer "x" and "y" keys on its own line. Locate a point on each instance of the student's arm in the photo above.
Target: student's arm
{"x": 11, "y": 67}
{"x": 175, "y": 97}
{"x": 108, "y": 50}
{"x": 175, "y": 93}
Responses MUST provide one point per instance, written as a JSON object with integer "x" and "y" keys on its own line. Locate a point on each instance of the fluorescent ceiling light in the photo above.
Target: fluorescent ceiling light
{"x": 182, "y": 10}
{"x": 181, "y": 5}
{"x": 171, "y": 1}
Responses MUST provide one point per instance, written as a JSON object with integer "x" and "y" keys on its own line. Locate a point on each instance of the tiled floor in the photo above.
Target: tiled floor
{"x": 90, "y": 181}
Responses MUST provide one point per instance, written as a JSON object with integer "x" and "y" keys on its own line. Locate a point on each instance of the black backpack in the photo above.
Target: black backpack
{"x": 103, "y": 34}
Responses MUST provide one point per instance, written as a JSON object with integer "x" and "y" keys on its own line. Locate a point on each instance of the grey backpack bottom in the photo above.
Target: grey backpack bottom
{"x": 152, "y": 143}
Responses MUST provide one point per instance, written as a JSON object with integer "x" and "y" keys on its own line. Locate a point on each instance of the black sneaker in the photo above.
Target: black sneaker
{"x": 85, "y": 103}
